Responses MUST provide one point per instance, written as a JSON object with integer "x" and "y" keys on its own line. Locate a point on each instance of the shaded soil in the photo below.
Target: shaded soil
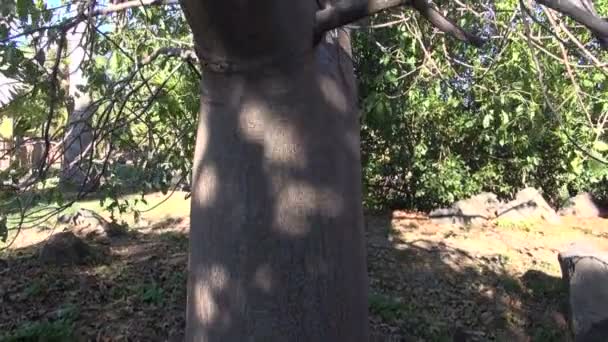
{"x": 427, "y": 282}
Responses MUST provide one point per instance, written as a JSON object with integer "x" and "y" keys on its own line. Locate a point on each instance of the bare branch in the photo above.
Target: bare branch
{"x": 346, "y": 12}
{"x": 75, "y": 20}
{"x": 444, "y": 24}
{"x": 130, "y": 4}
{"x": 593, "y": 22}
{"x": 185, "y": 54}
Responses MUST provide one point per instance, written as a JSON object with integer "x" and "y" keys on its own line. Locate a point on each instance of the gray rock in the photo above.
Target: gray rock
{"x": 64, "y": 218}
{"x": 582, "y": 205}
{"x": 446, "y": 216}
{"x": 585, "y": 274}
{"x": 65, "y": 248}
{"x": 528, "y": 205}
{"x": 474, "y": 211}
{"x": 90, "y": 225}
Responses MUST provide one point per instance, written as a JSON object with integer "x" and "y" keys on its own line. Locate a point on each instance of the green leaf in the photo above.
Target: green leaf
{"x": 113, "y": 63}
{"x": 576, "y": 165}
{"x": 505, "y": 117}
{"x": 598, "y": 170}
{"x": 23, "y": 7}
{"x": 600, "y": 146}
{"x": 588, "y": 83}
{"x": 599, "y": 77}
{"x": 487, "y": 120}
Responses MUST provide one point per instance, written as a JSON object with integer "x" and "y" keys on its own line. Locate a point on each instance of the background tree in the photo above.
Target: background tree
{"x": 78, "y": 136}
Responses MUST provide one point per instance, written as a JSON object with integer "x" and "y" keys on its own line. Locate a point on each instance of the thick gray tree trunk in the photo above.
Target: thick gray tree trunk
{"x": 77, "y": 142}
{"x": 277, "y": 247}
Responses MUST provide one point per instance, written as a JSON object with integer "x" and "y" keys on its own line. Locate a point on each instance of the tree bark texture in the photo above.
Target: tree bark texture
{"x": 77, "y": 141}
{"x": 277, "y": 247}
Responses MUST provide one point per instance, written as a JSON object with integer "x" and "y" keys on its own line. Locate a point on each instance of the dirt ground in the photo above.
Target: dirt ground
{"x": 501, "y": 282}
{"x": 427, "y": 283}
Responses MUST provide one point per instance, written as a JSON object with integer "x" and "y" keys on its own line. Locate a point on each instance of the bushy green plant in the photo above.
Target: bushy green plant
{"x": 438, "y": 127}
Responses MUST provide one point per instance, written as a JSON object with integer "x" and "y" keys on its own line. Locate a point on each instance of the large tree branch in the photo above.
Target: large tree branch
{"x": 597, "y": 25}
{"x": 185, "y": 54}
{"x": 345, "y": 12}
{"x": 444, "y": 24}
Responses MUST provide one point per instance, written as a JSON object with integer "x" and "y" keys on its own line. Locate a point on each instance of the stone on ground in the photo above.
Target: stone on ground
{"x": 582, "y": 205}
{"x": 473, "y": 211}
{"x": 65, "y": 248}
{"x": 528, "y": 205}
{"x": 585, "y": 273}
{"x": 89, "y": 225}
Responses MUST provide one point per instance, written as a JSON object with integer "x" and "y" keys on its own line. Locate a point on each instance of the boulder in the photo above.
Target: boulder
{"x": 582, "y": 205}
{"x": 585, "y": 274}
{"x": 90, "y": 225}
{"x": 65, "y": 248}
{"x": 528, "y": 205}
{"x": 476, "y": 210}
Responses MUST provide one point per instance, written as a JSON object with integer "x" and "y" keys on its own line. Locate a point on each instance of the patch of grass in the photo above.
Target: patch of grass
{"x": 109, "y": 271}
{"x": 387, "y": 308}
{"x": 174, "y": 206}
{"x": 586, "y": 231}
{"x": 547, "y": 333}
{"x": 543, "y": 288}
{"x": 176, "y": 285}
{"x": 59, "y": 330}
{"x": 68, "y": 312}
{"x": 526, "y": 226}
{"x": 54, "y": 331}
{"x": 504, "y": 259}
{"x": 119, "y": 292}
{"x": 549, "y": 267}
{"x": 151, "y": 293}
{"x": 510, "y": 285}
{"x": 177, "y": 239}
{"x": 33, "y": 290}
{"x": 177, "y": 280}
{"x": 150, "y": 210}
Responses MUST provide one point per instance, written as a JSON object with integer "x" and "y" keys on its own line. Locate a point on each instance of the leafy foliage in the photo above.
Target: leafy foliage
{"x": 443, "y": 121}
{"x": 145, "y": 102}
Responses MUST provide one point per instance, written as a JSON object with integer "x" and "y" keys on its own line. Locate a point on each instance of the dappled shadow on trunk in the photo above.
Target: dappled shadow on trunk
{"x": 277, "y": 238}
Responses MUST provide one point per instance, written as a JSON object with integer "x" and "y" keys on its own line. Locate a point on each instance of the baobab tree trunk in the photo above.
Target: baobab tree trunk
{"x": 77, "y": 141}
{"x": 277, "y": 247}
